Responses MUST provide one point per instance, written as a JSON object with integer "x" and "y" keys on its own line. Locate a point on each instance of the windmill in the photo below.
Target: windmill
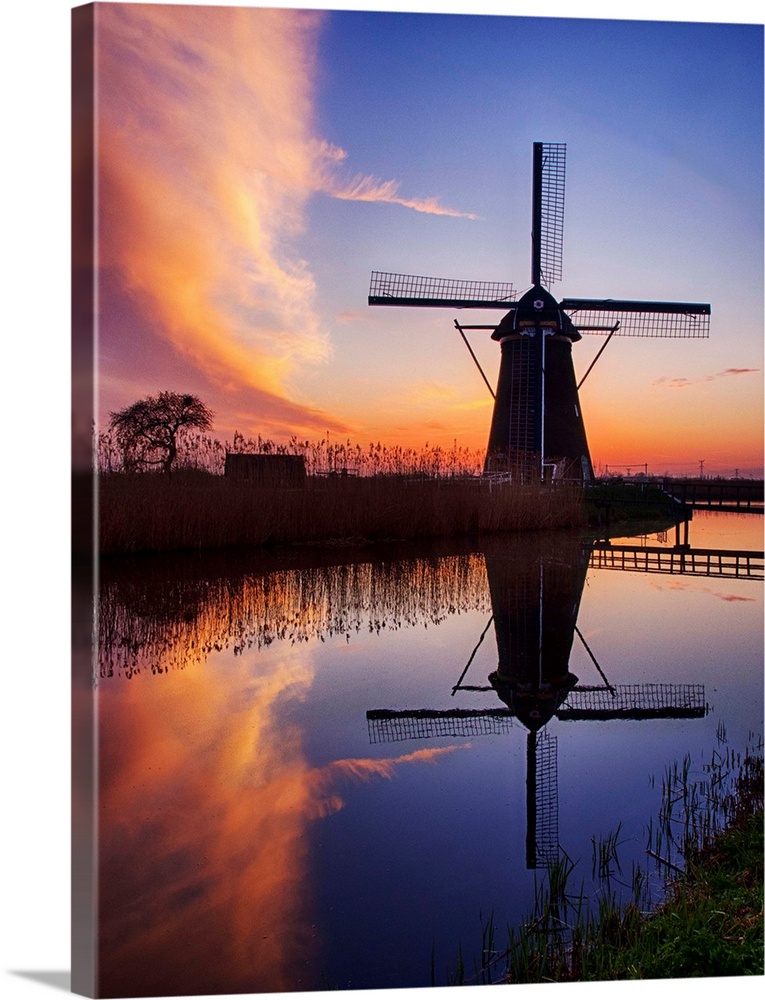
{"x": 537, "y": 429}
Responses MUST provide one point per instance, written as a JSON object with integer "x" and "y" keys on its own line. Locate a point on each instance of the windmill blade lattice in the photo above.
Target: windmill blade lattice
{"x": 551, "y": 195}
{"x": 639, "y": 319}
{"x": 542, "y": 839}
{"x": 593, "y": 703}
{"x": 387, "y": 289}
{"x": 390, "y": 726}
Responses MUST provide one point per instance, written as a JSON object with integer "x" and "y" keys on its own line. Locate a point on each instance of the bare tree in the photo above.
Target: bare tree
{"x": 148, "y": 430}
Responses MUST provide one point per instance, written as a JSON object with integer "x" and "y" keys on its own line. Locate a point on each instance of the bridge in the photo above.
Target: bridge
{"x": 682, "y": 497}
{"x": 745, "y": 495}
{"x": 681, "y": 559}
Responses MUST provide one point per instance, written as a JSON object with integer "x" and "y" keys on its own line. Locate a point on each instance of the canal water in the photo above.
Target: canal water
{"x": 328, "y": 770}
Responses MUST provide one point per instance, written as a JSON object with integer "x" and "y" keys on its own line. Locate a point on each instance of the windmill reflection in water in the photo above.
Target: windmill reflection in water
{"x": 536, "y": 586}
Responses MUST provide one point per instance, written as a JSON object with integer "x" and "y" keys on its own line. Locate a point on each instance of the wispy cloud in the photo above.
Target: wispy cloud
{"x": 322, "y": 781}
{"x": 682, "y": 383}
{"x": 732, "y": 598}
{"x": 368, "y": 188}
{"x": 365, "y": 768}
{"x": 687, "y": 585}
{"x": 352, "y": 316}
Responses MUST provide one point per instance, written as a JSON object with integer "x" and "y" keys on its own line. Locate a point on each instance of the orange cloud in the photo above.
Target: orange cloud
{"x": 365, "y": 768}
{"x": 207, "y": 160}
{"x": 202, "y": 816}
{"x": 204, "y": 151}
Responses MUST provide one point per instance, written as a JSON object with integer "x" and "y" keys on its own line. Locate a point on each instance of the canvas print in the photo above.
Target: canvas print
{"x": 417, "y": 499}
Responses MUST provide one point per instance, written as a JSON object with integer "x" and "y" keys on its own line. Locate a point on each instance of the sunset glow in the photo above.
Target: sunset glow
{"x": 255, "y": 165}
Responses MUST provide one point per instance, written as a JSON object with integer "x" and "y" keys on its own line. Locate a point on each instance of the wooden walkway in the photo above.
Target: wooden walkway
{"x": 723, "y": 563}
{"x": 743, "y": 495}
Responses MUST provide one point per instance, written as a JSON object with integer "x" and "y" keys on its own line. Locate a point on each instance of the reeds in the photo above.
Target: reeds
{"x": 352, "y": 493}
{"x": 174, "y": 613}
{"x": 205, "y": 453}
{"x": 698, "y": 804}
{"x": 194, "y": 510}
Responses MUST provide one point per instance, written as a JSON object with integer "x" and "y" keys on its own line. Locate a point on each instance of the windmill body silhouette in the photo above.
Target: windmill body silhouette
{"x": 537, "y": 429}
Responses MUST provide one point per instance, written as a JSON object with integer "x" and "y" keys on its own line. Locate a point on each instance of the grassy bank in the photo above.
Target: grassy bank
{"x": 711, "y": 925}
{"x": 193, "y": 510}
{"x": 709, "y": 839}
{"x": 625, "y": 502}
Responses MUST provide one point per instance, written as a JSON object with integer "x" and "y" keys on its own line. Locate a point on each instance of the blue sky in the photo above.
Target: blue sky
{"x": 257, "y": 165}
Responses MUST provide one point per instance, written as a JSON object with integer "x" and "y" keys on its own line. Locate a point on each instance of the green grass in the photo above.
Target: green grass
{"x": 711, "y": 924}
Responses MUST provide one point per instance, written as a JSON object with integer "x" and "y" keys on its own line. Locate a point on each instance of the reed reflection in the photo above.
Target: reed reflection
{"x": 164, "y": 615}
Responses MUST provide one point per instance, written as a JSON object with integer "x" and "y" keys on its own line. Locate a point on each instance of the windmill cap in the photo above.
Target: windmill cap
{"x": 536, "y": 307}
{"x": 533, "y": 706}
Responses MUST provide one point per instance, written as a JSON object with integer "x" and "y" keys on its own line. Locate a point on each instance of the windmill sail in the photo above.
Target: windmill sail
{"x": 583, "y": 703}
{"x": 639, "y": 319}
{"x": 536, "y": 586}
{"x": 635, "y": 318}
{"x": 388, "y": 289}
{"x": 549, "y": 187}
{"x": 542, "y": 841}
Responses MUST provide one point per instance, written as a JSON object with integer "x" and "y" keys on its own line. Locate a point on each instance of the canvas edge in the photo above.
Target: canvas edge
{"x": 84, "y": 504}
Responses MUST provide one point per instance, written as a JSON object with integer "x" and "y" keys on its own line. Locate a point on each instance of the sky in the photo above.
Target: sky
{"x": 257, "y": 164}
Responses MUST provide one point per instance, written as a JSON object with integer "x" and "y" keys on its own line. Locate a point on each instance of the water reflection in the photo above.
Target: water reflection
{"x": 207, "y": 797}
{"x": 536, "y": 586}
{"x": 204, "y": 804}
{"x": 535, "y": 599}
{"x": 535, "y": 595}
{"x": 157, "y": 616}
{"x": 208, "y": 683}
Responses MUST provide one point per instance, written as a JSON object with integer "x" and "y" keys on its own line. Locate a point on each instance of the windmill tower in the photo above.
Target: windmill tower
{"x": 537, "y": 429}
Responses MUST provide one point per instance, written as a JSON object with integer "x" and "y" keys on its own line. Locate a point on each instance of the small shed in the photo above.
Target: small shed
{"x": 266, "y": 470}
